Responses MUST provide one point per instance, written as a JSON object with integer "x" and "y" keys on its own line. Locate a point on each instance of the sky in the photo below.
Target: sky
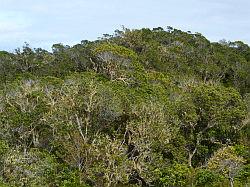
{"x": 42, "y": 23}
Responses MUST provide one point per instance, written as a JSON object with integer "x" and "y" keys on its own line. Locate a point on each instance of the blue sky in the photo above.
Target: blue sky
{"x": 45, "y": 22}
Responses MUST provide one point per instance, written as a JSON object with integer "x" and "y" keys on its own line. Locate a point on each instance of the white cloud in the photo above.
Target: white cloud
{"x": 52, "y": 21}
{"x": 12, "y": 24}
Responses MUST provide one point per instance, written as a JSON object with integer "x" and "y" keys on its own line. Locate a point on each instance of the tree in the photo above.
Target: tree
{"x": 116, "y": 62}
{"x": 227, "y": 162}
{"x": 213, "y": 114}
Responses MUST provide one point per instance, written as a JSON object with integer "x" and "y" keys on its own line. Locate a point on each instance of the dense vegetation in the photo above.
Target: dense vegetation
{"x": 136, "y": 108}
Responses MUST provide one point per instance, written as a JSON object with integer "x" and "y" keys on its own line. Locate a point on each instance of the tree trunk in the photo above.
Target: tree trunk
{"x": 190, "y": 160}
{"x": 231, "y": 182}
{"x": 190, "y": 156}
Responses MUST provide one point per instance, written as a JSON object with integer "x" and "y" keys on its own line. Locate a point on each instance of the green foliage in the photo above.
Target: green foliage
{"x": 175, "y": 175}
{"x": 3, "y": 147}
{"x": 205, "y": 177}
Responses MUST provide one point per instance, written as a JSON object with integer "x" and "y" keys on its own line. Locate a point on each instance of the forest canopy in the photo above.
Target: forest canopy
{"x": 144, "y": 107}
